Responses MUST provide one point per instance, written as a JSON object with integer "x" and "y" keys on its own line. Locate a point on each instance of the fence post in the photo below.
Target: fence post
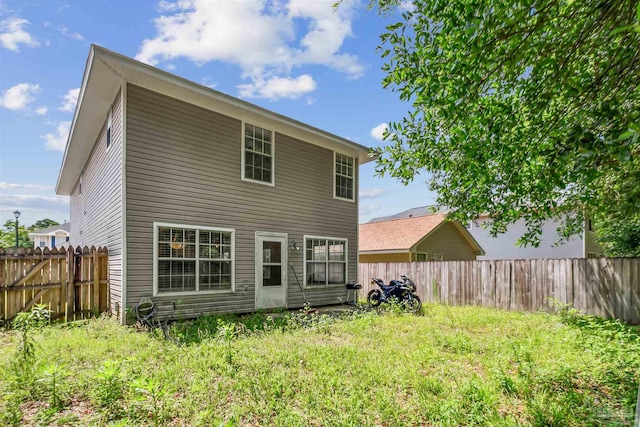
{"x": 95, "y": 291}
{"x": 70, "y": 285}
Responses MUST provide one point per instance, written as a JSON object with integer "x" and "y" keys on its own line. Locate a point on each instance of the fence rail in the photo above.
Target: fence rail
{"x": 73, "y": 283}
{"x": 608, "y": 287}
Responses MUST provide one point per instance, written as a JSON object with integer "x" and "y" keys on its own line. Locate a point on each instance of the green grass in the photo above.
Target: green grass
{"x": 452, "y": 366}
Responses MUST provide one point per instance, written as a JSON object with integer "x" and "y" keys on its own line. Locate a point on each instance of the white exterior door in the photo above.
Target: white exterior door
{"x": 271, "y": 270}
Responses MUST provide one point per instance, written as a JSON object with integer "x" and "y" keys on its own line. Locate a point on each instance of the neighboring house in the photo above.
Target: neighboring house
{"x": 56, "y": 236}
{"x": 504, "y": 246}
{"x": 207, "y": 203}
{"x": 422, "y": 238}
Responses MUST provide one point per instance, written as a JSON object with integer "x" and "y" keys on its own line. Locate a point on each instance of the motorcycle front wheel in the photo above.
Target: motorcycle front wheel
{"x": 374, "y": 298}
{"x": 413, "y": 303}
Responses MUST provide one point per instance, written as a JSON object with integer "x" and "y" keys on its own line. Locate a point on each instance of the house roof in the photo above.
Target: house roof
{"x": 403, "y": 234}
{"x": 410, "y": 213}
{"x": 396, "y": 234}
{"x": 103, "y": 78}
{"x": 64, "y": 227}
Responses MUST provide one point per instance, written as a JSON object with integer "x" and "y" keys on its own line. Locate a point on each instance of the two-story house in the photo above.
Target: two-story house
{"x": 207, "y": 203}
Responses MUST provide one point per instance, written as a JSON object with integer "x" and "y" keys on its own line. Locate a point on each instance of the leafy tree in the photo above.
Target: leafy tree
{"x": 8, "y": 235}
{"x": 43, "y": 223}
{"x": 520, "y": 110}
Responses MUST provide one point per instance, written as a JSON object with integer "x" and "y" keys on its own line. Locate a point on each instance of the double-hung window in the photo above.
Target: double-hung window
{"x": 257, "y": 154}
{"x": 343, "y": 174}
{"x": 193, "y": 259}
{"x": 325, "y": 261}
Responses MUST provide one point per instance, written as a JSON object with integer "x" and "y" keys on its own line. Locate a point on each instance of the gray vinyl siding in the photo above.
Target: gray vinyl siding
{"x": 183, "y": 165}
{"x": 504, "y": 246}
{"x": 448, "y": 241}
{"x": 96, "y": 214}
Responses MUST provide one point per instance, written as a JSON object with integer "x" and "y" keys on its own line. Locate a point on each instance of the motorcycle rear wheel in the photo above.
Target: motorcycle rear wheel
{"x": 374, "y": 298}
{"x": 413, "y": 303}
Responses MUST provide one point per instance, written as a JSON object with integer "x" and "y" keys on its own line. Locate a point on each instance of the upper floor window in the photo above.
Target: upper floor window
{"x": 257, "y": 154}
{"x": 343, "y": 170}
{"x": 80, "y": 185}
{"x": 109, "y": 129}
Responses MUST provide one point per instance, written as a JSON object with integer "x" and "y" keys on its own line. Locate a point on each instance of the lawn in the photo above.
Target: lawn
{"x": 450, "y": 366}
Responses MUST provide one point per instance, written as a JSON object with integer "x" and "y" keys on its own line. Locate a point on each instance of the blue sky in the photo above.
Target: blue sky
{"x": 296, "y": 57}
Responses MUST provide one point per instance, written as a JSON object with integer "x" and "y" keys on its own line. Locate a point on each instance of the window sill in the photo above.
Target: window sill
{"x": 192, "y": 293}
{"x": 344, "y": 200}
{"x": 255, "y": 181}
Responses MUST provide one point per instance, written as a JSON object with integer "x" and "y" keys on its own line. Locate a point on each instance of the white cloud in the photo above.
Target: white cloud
{"x": 19, "y": 96}
{"x": 378, "y": 131}
{"x": 41, "y": 111}
{"x": 69, "y": 100}
{"x": 278, "y": 87}
{"x": 310, "y": 101}
{"x": 65, "y": 32}
{"x": 12, "y": 35}
{"x": 368, "y": 209}
{"x": 263, "y": 38}
{"x": 25, "y": 187}
{"x": 371, "y": 193}
{"x": 57, "y": 140}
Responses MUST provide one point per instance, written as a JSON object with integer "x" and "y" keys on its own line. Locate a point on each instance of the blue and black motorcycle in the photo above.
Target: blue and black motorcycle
{"x": 400, "y": 291}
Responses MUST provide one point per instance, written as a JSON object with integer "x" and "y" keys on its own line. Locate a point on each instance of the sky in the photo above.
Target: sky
{"x": 299, "y": 58}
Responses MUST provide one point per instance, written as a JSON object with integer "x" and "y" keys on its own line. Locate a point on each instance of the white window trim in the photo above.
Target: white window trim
{"x": 273, "y": 155}
{"x": 353, "y": 178}
{"x": 106, "y": 132}
{"x": 157, "y": 225}
{"x": 304, "y": 262}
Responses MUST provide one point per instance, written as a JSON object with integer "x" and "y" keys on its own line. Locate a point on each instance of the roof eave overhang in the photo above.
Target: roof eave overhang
{"x": 106, "y": 71}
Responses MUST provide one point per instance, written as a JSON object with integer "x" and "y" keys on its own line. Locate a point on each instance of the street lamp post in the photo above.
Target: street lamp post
{"x": 17, "y": 215}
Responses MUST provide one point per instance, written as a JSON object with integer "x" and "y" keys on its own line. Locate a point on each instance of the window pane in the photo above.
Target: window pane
{"x": 336, "y": 251}
{"x": 336, "y": 273}
{"x": 316, "y": 250}
{"x": 271, "y": 275}
{"x": 316, "y": 273}
{"x": 271, "y": 252}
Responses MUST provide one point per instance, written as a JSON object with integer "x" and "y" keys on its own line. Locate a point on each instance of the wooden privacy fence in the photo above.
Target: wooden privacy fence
{"x": 72, "y": 283}
{"x": 608, "y": 287}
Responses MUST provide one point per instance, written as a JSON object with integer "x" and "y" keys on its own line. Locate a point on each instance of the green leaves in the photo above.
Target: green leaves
{"x": 516, "y": 111}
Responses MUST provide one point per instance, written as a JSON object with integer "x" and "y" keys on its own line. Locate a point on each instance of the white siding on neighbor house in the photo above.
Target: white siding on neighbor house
{"x": 183, "y": 165}
{"x": 504, "y": 245}
{"x": 96, "y": 214}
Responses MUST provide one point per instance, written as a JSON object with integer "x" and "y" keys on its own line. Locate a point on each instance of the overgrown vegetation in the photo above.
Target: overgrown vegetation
{"x": 450, "y": 366}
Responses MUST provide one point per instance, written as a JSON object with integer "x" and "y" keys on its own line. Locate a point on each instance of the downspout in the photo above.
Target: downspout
{"x": 123, "y": 194}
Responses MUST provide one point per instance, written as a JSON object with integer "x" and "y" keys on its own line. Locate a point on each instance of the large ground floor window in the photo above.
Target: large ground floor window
{"x": 190, "y": 259}
{"x": 325, "y": 261}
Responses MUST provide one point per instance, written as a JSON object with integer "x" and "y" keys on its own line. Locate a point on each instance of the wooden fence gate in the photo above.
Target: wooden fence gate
{"x": 72, "y": 283}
